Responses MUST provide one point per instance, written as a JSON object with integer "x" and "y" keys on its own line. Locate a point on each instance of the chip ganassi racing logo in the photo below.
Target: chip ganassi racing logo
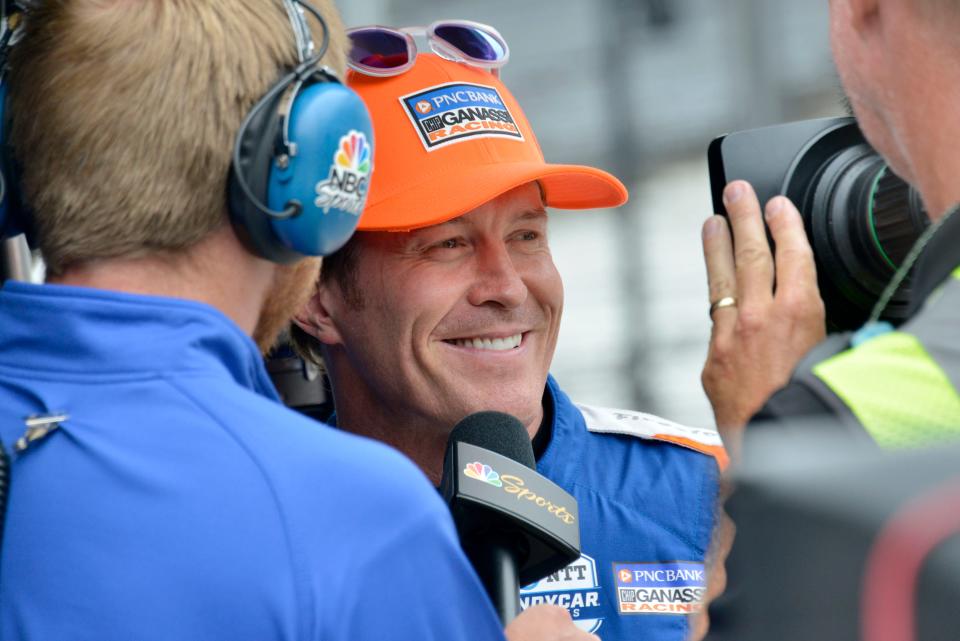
{"x": 676, "y": 587}
{"x": 458, "y": 111}
{"x": 575, "y": 587}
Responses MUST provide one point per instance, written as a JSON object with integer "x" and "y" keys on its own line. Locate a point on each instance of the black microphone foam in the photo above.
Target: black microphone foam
{"x": 497, "y": 432}
{"x": 515, "y": 525}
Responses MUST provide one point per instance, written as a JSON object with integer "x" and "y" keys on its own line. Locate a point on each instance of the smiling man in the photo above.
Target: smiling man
{"x": 448, "y": 302}
{"x": 439, "y": 322}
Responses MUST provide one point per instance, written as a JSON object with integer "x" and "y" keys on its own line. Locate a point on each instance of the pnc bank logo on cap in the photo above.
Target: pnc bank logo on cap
{"x": 455, "y": 111}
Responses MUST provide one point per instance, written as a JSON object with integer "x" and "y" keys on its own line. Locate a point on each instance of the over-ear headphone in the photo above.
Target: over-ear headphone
{"x": 301, "y": 164}
{"x": 299, "y": 178}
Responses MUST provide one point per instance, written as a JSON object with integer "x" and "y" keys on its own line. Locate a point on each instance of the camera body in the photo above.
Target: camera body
{"x": 861, "y": 219}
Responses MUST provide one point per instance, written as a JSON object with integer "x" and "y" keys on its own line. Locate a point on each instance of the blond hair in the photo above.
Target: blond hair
{"x": 125, "y": 114}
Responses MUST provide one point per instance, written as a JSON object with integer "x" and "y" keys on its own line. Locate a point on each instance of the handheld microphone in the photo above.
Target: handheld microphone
{"x": 515, "y": 525}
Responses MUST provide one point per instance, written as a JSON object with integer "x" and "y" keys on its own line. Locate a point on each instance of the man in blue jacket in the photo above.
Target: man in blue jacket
{"x": 448, "y": 303}
{"x": 159, "y": 489}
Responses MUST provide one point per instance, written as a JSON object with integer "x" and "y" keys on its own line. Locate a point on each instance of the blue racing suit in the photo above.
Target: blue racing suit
{"x": 647, "y": 491}
{"x": 164, "y": 493}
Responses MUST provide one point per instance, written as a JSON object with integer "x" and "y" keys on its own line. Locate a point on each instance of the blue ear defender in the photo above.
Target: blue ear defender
{"x": 301, "y": 170}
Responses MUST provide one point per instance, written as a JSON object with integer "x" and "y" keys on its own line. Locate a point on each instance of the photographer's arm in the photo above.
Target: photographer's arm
{"x": 779, "y": 316}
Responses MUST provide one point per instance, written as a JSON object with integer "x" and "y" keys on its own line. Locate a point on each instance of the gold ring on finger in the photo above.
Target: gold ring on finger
{"x": 726, "y": 301}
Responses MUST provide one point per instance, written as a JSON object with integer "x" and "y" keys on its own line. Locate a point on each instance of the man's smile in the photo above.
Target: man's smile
{"x": 492, "y": 343}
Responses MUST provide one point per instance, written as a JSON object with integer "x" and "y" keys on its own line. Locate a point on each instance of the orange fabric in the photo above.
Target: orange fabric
{"x": 716, "y": 451}
{"x": 413, "y": 186}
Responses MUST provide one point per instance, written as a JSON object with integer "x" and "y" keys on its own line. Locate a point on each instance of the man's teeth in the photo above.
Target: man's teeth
{"x": 496, "y": 344}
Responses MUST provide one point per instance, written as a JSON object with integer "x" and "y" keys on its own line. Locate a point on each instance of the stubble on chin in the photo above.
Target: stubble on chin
{"x": 293, "y": 285}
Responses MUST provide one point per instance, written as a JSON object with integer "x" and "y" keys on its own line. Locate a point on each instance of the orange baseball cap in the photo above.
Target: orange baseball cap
{"x": 450, "y": 137}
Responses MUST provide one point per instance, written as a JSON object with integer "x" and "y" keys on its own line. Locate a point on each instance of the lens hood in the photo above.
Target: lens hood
{"x": 861, "y": 218}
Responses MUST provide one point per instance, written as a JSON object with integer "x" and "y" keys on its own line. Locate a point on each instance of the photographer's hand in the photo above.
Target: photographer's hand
{"x": 772, "y": 315}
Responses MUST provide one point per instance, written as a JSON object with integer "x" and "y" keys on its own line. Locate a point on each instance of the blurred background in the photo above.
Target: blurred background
{"x": 639, "y": 88}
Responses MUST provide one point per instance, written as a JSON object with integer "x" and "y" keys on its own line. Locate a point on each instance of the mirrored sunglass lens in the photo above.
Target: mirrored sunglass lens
{"x": 379, "y": 49}
{"x": 472, "y": 41}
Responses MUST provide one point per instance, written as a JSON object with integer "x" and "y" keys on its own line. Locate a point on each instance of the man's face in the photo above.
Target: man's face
{"x": 458, "y": 317}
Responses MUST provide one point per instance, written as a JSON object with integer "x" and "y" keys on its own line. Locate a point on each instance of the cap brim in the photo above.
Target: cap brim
{"x": 564, "y": 186}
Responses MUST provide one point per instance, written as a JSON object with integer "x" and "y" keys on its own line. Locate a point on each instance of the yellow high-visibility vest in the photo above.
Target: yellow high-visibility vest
{"x": 903, "y": 386}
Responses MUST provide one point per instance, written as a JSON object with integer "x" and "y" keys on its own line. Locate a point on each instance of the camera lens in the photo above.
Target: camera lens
{"x": 861, "y": 219}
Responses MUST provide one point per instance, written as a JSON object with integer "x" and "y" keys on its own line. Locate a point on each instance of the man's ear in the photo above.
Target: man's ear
{"x": 863, "y": 14}
{"x": 887, "y": 31}
{"x": 315, "y": 319}
{"x": 860, "y": 33}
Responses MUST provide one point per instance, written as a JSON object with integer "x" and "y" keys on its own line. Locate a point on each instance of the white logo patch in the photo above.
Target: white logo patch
{"x": 459, "y": 111}
{"x": 676, "y": 587}
{"x": 647, "y": 426}
{"x": 575, "y": 587}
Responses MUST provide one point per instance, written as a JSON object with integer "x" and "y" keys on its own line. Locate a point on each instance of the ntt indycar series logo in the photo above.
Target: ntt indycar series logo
{"x": 575, "y": 588}
{"x": 459, "y": 111}
{"x": 659, "y": 588}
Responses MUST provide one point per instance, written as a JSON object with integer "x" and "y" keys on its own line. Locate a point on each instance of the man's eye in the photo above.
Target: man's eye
{"x": 527, "y": 236}
{"x": 449, "y": 243}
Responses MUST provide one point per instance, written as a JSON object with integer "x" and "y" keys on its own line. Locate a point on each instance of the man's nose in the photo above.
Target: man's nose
{"x": 497, "y": 280}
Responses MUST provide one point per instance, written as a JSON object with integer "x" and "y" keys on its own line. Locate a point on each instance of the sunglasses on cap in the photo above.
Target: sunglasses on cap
{"x": 383, "y": 51}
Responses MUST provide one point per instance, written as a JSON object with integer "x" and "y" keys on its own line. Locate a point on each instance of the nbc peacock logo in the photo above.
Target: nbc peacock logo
{"x": 346, "y": 186}
{"x": 482, "y": 472}
{"x": 354, "y": 153}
